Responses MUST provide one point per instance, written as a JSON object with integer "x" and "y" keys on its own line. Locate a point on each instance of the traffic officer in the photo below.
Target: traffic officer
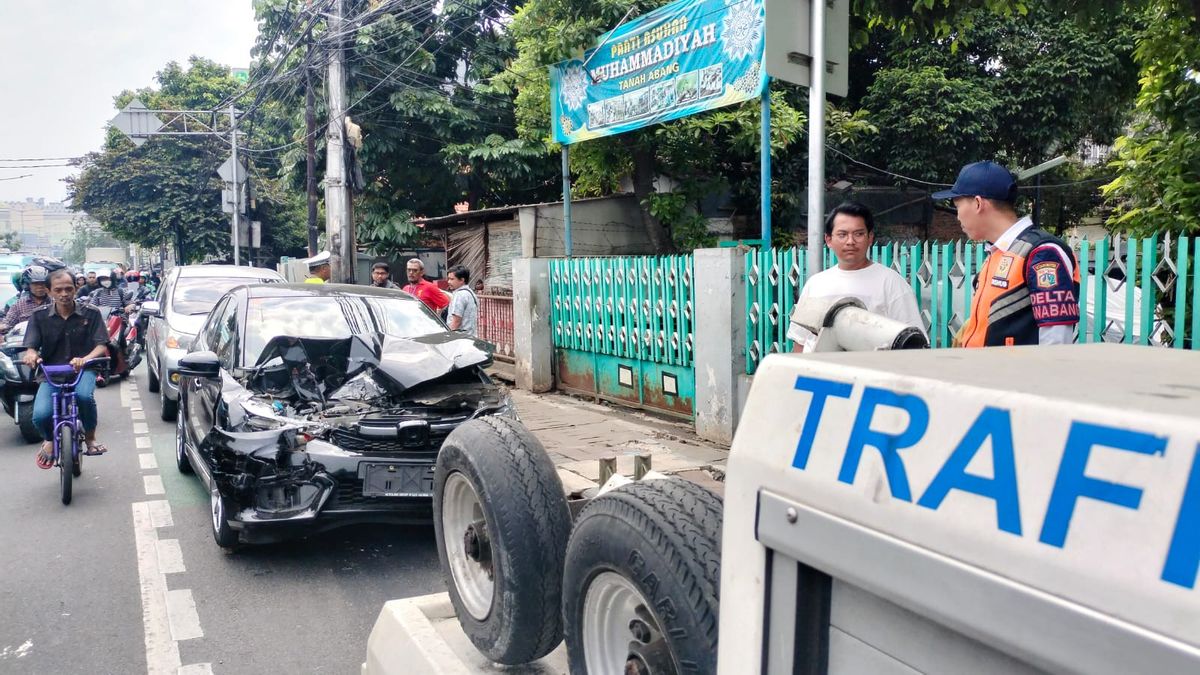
{"x": 1027, "y": 293}
{"x": 318, "y": 268}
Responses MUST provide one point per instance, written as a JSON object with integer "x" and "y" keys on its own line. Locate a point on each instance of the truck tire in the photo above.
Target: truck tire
{"x": 643, "y": 579}
{"x": 501, "y": 522}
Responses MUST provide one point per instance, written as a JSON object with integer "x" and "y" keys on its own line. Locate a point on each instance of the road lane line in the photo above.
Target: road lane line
{"x": 140, "y": 428}
{"x": 197, "y": 669}
{"x": 154, "y": 485}
{"x": 141, "y": 442}
{"x": 162, "y": 654}
{"x": 181, "y": 613}
{"x": 160, "y": 513}
{"x": 170, "y": 556}
{"x": 137, "y": 415}
{"x": 147, "y": 460}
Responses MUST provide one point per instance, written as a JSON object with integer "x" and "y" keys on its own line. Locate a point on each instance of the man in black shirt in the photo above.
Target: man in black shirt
{"x": 65, "y": 332}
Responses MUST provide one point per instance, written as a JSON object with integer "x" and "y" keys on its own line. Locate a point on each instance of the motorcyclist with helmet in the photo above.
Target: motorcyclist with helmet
{"x": 36, "y": 279}
{"x": 110, "y": 294}
{"x": 135, "y": 287}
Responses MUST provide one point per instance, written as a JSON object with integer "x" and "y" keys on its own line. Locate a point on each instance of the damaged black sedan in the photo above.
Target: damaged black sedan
{"x": 305, "y": 407}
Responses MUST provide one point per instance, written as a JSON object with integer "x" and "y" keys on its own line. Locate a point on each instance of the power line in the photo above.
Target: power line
{"x": 40, "y": 159}
{"x": 17, "y": 177}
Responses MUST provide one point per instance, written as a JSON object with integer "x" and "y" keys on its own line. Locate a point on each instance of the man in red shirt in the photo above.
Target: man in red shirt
{"x": 425, "y": 291}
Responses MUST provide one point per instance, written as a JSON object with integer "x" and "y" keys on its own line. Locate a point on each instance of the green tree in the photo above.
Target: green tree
{"x": 1018, "y": 88}
{"x": 168, "y": 186}
{"x": 11, "y": 241}
{"x": 434, "y": 132}
{"x": 1157, "y": 187}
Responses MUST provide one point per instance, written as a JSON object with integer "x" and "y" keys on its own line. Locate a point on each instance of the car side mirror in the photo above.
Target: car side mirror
{"x": 203, "y": 365}
{"x": 152, "y": 308}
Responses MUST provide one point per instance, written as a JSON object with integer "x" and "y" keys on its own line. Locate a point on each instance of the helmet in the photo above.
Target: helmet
{"x": 35, "y": 274}
{"x": 17, "y": 279}
{"x": 133, "y": 275}
{"x": 49, "y": 263}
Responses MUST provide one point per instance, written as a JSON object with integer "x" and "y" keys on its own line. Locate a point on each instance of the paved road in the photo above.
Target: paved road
{"x": 127, "y": 579}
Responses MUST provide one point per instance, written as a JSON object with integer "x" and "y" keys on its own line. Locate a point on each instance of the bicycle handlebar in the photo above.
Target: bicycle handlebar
{"x": 51, "y": 371}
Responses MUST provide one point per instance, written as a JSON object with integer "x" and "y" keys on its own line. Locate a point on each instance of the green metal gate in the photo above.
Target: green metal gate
{"x": 622, "y": 329}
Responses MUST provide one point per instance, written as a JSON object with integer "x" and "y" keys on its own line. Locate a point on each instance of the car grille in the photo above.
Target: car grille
{"x": 349, "y": 495}
{"x": 439, "y": 429}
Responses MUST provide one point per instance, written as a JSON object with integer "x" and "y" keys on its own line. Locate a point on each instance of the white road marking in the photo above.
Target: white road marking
{"x": 197, "y": 669}
{"x": 170, "y": 556}
{"x": 147, "y": 460}
{"x": 18, "y": 652}
{"x": 135, "y": 407}
{"x": 154, "y": 485}
{"x": 181, "y": 613}
{"x": 137, "y": 415}
{"x": 160, "y": 514}
{"x": 141, "y": 442}
{"x": 140, "y": 428}
{"x": 162, "y": 654}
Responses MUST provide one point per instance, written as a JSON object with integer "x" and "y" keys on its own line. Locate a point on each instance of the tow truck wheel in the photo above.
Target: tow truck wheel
{"x": 501, "y": 522}
{"x": 643, "y": 569}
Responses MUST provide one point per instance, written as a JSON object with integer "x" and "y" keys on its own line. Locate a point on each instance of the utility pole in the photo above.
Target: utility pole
{"x": 237, "y": 188}
{"x": 337, "y": 192}
{"x": 310, "y": 143}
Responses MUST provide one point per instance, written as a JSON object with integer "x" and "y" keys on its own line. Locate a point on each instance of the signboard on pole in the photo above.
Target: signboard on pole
{"x": 683, "y": 58}
{"x": 789, "y": 43}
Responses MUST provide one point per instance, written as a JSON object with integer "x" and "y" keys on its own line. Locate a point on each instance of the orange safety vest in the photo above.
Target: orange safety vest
{"x": 1002, "y": 312}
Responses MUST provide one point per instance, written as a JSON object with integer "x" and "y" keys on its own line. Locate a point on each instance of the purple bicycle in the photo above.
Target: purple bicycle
{"x": 68, "y": 429}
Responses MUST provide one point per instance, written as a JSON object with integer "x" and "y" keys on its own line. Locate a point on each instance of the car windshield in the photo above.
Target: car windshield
{"x": 16, "y": 260}
{"x": 333, "y": 317}
{"x": 198, "y": 295}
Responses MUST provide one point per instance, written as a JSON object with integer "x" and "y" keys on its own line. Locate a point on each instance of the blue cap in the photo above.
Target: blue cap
{"x": 983, "y": 179}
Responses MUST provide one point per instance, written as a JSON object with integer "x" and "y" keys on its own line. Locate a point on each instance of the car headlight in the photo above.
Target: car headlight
{"x": 177, "y": 340}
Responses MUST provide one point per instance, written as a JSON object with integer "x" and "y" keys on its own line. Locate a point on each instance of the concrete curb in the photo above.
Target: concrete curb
{"x": 422, "y": 635}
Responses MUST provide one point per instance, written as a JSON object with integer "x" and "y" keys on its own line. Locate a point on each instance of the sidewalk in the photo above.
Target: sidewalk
{"x": 577, "y": 434}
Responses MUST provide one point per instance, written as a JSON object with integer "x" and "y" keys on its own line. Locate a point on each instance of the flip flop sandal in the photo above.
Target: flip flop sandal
{"x": 45, "y": 461}
{"x": 94, "y": 449}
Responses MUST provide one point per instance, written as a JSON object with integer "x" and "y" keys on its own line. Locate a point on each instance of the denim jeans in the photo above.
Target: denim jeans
{"x": 85, "y": 398}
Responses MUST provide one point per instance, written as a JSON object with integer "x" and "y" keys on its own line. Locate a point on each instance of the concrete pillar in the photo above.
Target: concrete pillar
{"x": 719, "y": 339}
{"x": 532, "y": 340}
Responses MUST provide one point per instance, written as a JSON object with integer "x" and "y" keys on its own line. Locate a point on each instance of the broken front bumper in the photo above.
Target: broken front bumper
{"x": 278, "y": 493}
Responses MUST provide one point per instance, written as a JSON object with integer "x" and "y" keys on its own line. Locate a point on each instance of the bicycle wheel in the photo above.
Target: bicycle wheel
{"x": 66, "y": 460}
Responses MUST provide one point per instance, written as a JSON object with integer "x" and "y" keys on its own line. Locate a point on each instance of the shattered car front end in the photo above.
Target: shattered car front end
{"x": 325, "y": 432}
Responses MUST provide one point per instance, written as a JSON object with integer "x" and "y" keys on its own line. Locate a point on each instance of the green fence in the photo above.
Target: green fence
{"x": 1160, "y": 307}
{"x": 622, "y": 328}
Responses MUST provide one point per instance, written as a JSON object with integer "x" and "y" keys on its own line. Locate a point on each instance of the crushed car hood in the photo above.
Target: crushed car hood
{"x": 322, "y": 365}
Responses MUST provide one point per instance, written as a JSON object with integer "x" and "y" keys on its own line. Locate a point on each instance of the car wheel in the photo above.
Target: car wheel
{"x": 225, "y": 536}
{"x": 152, "y": 379}
{"x": 167, "y": 409}
{"x": 29, "y": 430}
{"x": 501, "y": 523}
{"x": 635, "y": 551}
{"x": 181, "y": 458}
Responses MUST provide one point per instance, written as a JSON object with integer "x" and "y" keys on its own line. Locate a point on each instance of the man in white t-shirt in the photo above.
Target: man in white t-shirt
{"x": 850, "y": 232}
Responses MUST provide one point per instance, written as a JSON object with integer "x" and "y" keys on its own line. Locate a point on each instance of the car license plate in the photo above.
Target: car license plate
{"x": 398, "y": 480}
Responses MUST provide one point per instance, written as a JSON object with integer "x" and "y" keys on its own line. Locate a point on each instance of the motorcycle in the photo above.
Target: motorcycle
{"x": 124, "y": 343}
{"x": 20, "y": 386}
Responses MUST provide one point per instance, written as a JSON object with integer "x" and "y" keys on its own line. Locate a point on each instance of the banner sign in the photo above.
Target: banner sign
{"x": 683, "y": 58}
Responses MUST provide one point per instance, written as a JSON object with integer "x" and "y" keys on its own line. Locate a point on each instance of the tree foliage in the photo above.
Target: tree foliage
{"x": 434, "y": 132}
{"x": 147, "y": 194}
{"x": 1018, "y": 88}
{"x": 1158, "y": 161}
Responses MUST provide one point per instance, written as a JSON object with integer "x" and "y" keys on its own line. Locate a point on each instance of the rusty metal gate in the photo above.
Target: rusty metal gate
{"x": 622, "y": 330}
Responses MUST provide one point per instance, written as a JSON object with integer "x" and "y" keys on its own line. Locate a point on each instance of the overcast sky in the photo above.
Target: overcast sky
{"x": 64, "y": 60}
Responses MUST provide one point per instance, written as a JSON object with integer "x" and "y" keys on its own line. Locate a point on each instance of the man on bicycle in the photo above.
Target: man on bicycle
{"x": 65, "y": 332}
